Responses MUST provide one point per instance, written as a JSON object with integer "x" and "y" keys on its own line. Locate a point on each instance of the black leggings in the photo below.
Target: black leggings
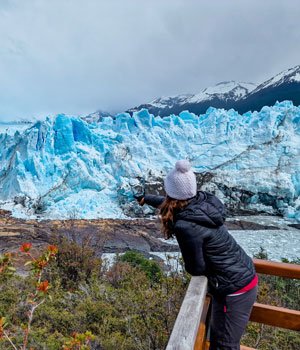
{"x": 229, "y": 319}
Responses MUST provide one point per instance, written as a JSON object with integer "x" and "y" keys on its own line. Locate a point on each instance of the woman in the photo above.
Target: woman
{"x": 197, "y": 221}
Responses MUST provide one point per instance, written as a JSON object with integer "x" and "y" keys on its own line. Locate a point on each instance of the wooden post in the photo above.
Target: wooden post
{"x": 200, "y": 342}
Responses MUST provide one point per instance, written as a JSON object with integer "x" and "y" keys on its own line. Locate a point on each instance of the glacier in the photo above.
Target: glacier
{"x": 64, "y": 167}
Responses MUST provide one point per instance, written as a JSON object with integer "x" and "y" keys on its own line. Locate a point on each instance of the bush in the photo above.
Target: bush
{"x": 77, "y": 260}
{"x": 151, "y": 268}
{"x": 122, "y": 307}
{"x": 130, "y": 306}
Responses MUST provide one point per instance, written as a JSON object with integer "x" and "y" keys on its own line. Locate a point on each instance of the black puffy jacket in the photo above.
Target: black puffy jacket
{"x": 207, "y": 247}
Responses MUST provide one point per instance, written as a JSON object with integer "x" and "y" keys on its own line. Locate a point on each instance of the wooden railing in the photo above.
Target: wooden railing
{"x": 193, "y": 310}
{"x": 273, "y": 315}
{"x": 190, "y": 329}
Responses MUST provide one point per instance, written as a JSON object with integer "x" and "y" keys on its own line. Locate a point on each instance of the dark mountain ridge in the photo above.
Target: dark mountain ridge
{"x": 242, "y": 97}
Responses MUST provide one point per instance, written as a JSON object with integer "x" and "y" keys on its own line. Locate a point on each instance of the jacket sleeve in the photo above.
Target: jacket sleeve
{"x": 191, "y": 246}
{"x": 154, "y": 201}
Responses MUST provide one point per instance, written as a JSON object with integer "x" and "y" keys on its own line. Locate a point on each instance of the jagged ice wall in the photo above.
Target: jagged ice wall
{"x": 64, "y": 167}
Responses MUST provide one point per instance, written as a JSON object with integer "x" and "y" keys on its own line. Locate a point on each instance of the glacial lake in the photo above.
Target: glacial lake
{"x": 283, "y": 242}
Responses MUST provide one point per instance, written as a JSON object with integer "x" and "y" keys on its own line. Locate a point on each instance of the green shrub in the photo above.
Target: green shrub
{"x": 121, "y": 307}
{"x": 131, "y": 305}
{"x": 151, "y": 268}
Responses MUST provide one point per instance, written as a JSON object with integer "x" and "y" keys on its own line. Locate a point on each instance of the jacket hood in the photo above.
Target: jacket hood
{"x": 204, "y": 209}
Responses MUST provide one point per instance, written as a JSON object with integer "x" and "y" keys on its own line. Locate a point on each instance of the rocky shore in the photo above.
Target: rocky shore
{"x": 106, "y": 235}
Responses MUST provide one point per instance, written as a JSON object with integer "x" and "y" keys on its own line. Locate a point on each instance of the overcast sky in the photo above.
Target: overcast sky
{"x": 78, "y": 56}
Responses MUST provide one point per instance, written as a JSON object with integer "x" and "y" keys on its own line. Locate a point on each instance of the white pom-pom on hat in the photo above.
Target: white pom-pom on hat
{"x": 180, "y": 183}
{"x": 183, "y": 165}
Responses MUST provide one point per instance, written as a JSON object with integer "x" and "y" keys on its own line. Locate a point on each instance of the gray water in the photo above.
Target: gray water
{"x": 283, "y": 242}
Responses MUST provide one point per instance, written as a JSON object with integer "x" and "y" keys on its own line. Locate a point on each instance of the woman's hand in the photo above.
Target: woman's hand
{"x": 140, "y": 198}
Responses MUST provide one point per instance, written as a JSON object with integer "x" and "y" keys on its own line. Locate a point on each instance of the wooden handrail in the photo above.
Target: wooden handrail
{"x": 186, "y": 327}
{"x": 189, "y": 332}
{"x": 273, "y": 315}
{"x": 277, "y": 268}
{"x": 276, "y": 316}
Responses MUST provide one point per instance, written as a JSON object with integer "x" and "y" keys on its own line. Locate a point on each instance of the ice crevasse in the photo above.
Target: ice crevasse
{"x": 64, "y": 166}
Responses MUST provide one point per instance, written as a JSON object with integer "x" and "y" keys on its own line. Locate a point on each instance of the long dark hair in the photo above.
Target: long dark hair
{"x": 168, "y": 209}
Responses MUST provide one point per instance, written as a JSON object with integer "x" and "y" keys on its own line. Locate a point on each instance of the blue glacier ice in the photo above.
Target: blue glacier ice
{"x": 63, "y": 166}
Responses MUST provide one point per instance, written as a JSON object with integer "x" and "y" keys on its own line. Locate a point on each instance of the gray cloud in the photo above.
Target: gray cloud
{"x": 76, "y": 56}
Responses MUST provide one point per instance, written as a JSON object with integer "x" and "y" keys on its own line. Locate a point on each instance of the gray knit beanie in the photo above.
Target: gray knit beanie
{"x": 180, "y": 183}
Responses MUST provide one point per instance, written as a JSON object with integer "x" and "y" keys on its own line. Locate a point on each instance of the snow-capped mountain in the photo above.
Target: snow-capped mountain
{"x": 169, "y": 101}
{"x": 64, "y": 165}
{"x": 284, "y": 86}
{"x": 222, "y": 95}
{"x": 242, "y": 97}
{"x": 288, "y": 76}
{"x": 224, "y": 91}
